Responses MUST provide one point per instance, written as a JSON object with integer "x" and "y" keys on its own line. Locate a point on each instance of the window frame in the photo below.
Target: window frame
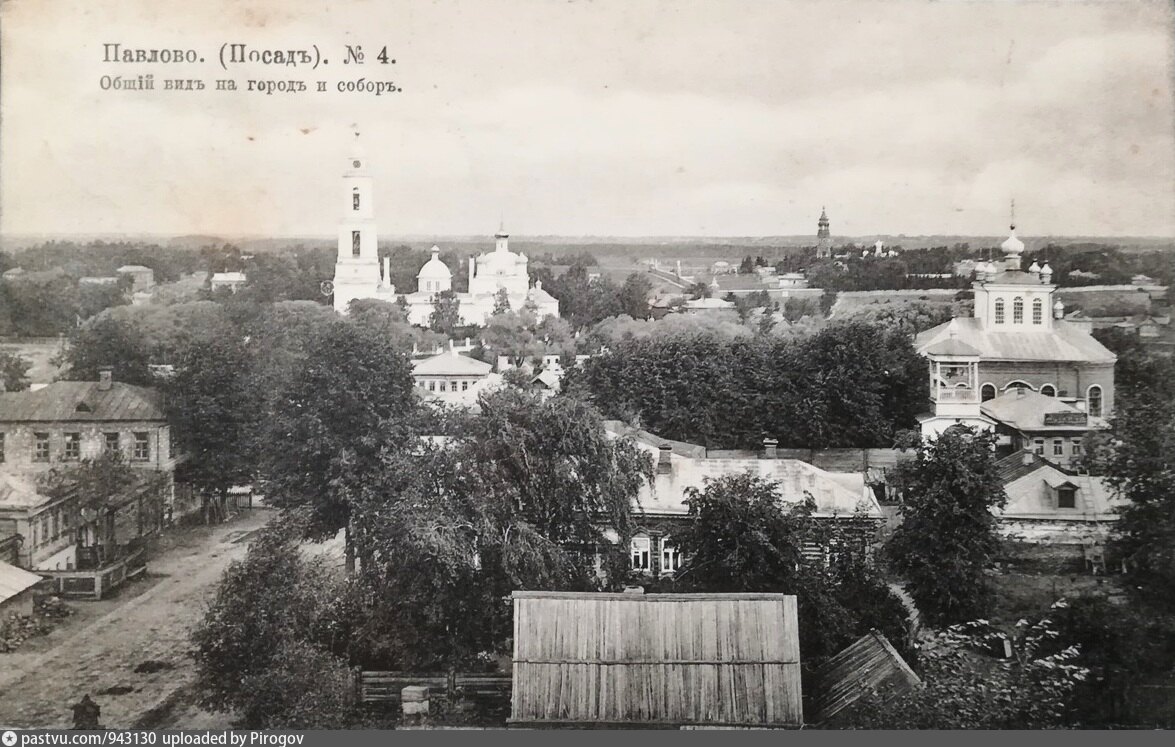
{"x": 640, "y": 559}
{"x": 42, "y": 447}
{"x": 1000, "y": 315}
{"x": 1089, "y": 408}
{"x": 1038, "y": 446}
{"x": 1069, "y": 491}
{"x": 1038, "y": 311}
{"x": 1052, "y": 390}
{"x": 2, "y": 444}
{"x": 145, "y": 442}
{"x": 995, "y": 392}
{"x": 1018, "y": 310}
{"x": 109, "y": 445}
{"x": 1058, "y": 447}
{"x": 72, "y": 448}
{"x": 671, "y": 559}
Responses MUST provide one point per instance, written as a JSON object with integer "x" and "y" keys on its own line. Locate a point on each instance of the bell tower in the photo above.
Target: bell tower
{"x": 823, "y": 236}
{"x": 357, "y": 273}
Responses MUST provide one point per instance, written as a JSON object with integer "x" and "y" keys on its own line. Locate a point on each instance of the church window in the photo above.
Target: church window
{"x": 355, "y": 200}
{"x": 999, "y": 311}
{"x": 986, "y": 392}
{"x": 1038, "y": 312}
{"x": 1048, "y": 390}
{"x": 354, "y": 243}
{"x": 1018, "y": 311}
{"x": 1095, "y": 401}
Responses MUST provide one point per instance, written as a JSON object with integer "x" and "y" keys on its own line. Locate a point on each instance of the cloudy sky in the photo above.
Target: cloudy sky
{"x": 626, "y": 117}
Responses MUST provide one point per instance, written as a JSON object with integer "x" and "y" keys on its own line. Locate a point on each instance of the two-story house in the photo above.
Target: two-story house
{"x": 47, "y": 432}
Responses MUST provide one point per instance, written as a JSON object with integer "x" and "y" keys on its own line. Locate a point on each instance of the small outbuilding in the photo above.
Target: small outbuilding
{"x": 16, "y": 590}
{"x": 656, "y": 660}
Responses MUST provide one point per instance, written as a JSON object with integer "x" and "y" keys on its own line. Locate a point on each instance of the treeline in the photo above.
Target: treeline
{"x": 849, "y": 385}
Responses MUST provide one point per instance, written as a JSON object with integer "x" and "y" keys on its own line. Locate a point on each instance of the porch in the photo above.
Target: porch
{"x": 100, "y": 569}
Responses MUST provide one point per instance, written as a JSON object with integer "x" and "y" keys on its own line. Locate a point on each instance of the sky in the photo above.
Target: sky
{"x": 605, "y": 118}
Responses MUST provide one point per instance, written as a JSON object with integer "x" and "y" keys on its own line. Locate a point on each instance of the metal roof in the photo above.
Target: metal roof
{"x": 14, "y": 580}
{"x": 1064, "y": 342}
{"x": 65, "y": 401}
{"x": 1024, "y": 409}
{"x": 451, "y": 363}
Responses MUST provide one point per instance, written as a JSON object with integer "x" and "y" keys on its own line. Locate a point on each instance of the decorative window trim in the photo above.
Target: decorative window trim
{"x": 999, "y": 311}
{"x": 640, "y": 552}
{"x": 1038, "y": 311}
{"x": 1018, "y": 310}
{"x": 1089, "y": 400}
{"x": 1050, "y": 387}
{"x": 1012, "y": 385}
{"x": 995, "y": 391}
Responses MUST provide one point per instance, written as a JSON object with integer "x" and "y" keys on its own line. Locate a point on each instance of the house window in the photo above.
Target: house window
{"x": 73, "y": 446}
{"x": 640, "y": 553}
{"x": 354, "y": 243}
{"x": 442, "y": 385}
{"x": 1066, "y": 497}
{"x": 111, "y": 441}
{"x": 1038, "y": 312}
{"x": 986, "y": 392}
{"x": 56, "y": 525}
{"x": 1038, "y": 446}
{"x": 432, "y": 386}
{"x": 464, "y": 386}
{"x": 142, "y": 450}
{"x": 1018, "y": 311}
{"x": 1058, "y": 447}
{"x": 453, "y": 385}
{"x": 999, "y": 311}
{"x": 670, "y": 556}
{"x": 1, "y": 448}
{"x": 1095, "y": 401}
{"x": 1076, "y": 446}
{"x": 1048, "y": 390}
{"x": 45, "y": 536}
{"x": 41, "y": 450}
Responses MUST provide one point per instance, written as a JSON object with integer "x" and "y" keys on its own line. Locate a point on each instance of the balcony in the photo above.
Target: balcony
{"x": 965, "y": 395}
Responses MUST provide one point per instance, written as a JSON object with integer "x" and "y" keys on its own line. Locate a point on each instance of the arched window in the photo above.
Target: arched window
{"x": 999, "y": 311}
{"x": 1038, "y": 312}
{"x": 354, "y": 243}
{"x": 1048, "y": 390}
{"x": 1094, "y": 401}
{"x": 1018, "y": 311}
{"x": 1018, "y": 385}
{"x": 355, "y": 199}
{"x": 986, "y": 392}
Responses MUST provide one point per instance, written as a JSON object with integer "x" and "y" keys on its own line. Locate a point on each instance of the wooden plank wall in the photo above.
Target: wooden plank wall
{"x": 657, "y": 659}
{"x": 870, "y": 664}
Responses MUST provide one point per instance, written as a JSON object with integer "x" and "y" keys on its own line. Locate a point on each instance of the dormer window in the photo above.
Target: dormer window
{"x": 1066, "y": 497}
{"x": 83, "y": 407}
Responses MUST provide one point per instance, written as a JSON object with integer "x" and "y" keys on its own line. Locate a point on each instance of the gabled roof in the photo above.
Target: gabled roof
{"x": 952, "y": 346}
{"x": 1064, "y": 342}
{"x": 64, "y": 401}
{"x": 1029, "y": 488}
{"x": 450, "y": 364}
{"x": 14, "y": 580}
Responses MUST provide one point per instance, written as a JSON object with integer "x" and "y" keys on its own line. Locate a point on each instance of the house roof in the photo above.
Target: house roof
{"x": 952, "y": 346}
{"x": 1024, "y": 409}
{"x": 14, "y": 580}
{"x": 19, "y": 492}
{"x": 134, "y": 268}
{"x": 709, "y": 303}
{"x": 1064, "y": 342}
{"x": 228, "y": 277}
{"x": 1030, "y": 493}
{"x": 82, "y": 400}
{"x": 450, "y": 363}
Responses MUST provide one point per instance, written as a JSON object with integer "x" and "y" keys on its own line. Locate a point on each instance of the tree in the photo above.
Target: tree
{"x": 634, "y": 296}
{"x": 747, "y": 266}
{"x": 744, "y": 537}
{"x": 266, "y": 647}
{"x": 501, "y": 302}
{"x": 948, "y": 537}
{"x": 1139, "y": 463}
{"x": 14, "y": 369}
{"x": 210, "y": 412}
{"x": 698, "y": 290}
{"x": 349, "y": 400}
{"x": 446, "y": 313}
{"x": 97, "y": 484}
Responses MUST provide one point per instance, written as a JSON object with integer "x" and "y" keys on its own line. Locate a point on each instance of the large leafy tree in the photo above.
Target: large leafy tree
{"x": 446, "y": 313}
{"x": 518, "y": 501}
{"x": 948, "y": 536}
{"x": 634, "y": 296}
{"x": 1139, "y": 462}
{"x": 14, "y": 369}
{"x": 346, "y": 402}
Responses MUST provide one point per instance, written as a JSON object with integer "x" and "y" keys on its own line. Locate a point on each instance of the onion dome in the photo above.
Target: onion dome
{"x": 1058, "y": 310}
{"x": 1012, "y": 246}
{"x": 1034, "y": 267}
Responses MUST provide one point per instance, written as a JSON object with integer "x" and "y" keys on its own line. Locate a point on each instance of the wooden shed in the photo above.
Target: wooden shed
{"x": 656, "y": 660}
{"x": 869, "y": 665}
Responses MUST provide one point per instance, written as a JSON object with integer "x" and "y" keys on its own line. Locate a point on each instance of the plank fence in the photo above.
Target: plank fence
{"x": 385, "y": 686}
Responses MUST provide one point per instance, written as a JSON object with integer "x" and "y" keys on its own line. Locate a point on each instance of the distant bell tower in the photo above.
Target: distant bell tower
{"x": 823, "y": 237}
{"x": 357, "y": 272}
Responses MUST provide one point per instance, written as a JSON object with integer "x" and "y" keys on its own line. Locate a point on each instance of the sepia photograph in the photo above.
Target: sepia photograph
{"x": 584, "y": 364}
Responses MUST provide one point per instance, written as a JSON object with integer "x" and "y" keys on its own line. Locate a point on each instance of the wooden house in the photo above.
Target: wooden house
{"x": 634, "y": 660}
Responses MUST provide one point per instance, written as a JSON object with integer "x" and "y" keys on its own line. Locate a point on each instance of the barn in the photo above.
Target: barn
{"x": 636, "y": 660}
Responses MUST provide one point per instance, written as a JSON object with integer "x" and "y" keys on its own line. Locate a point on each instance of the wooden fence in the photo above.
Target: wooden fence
{"x": 663, "y": 660}
{"x": 385, "y": 687}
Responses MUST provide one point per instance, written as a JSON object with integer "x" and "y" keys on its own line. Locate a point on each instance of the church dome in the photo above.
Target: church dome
{"x": 1012, "y": 245}
{"x": 435, "y": 269}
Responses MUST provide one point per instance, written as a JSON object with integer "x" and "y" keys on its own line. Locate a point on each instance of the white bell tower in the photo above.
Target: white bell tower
{"x": 357, "y": 273}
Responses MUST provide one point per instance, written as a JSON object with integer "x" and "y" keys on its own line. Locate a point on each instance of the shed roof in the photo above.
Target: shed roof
{"x": 64, "y": 401}
{"x": 14, "y": 580}
{"x": 869, "y": 664}
{"x": 1024, "y": 409}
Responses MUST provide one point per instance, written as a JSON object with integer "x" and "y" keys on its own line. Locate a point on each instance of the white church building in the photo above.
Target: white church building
{"x": 359, "y": 273}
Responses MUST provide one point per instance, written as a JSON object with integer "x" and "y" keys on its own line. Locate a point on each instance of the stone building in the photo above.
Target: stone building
{"x": 823, "y": 237}
{"x": 1017, "y": 338}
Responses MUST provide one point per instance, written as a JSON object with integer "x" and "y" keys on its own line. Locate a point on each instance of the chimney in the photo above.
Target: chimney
{"x": 105, "y": 378}
{"x": 1026, "y": 458}
{"x": 664, "y": 465}
{"x": 770, "y": 448}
